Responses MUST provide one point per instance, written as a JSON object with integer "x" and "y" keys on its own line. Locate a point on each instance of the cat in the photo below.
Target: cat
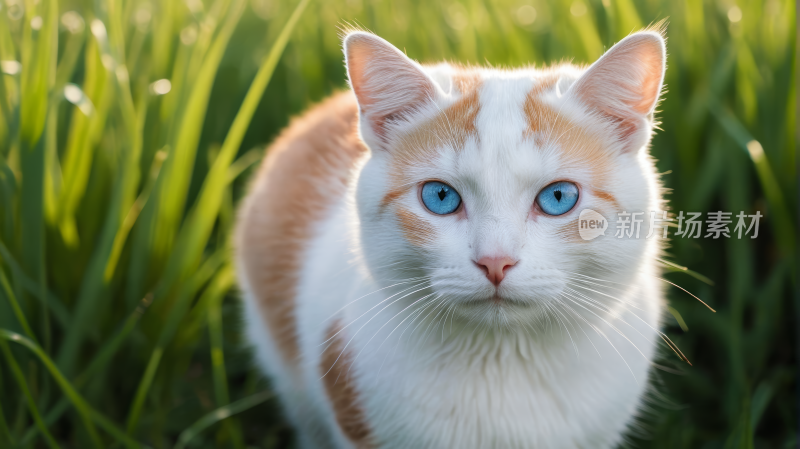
{"x": 412, "y": 270}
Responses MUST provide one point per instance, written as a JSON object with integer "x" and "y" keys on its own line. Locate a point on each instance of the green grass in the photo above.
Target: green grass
{"x": 119, "y": 322}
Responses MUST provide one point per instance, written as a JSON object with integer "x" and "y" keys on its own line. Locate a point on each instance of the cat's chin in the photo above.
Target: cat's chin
{"x": 501, "y": 311}
{"x": 504, "y": 301}
{"x": 503, "y": 315}
{"x": 497, "y": 300}
{"x": 514, "y": 297}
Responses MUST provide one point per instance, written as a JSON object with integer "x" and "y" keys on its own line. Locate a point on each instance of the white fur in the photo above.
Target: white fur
{"x": 439, "y": 365}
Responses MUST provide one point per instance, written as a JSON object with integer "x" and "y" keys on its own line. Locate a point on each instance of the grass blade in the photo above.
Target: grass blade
{"x": 178, "y": 168}
{"x": 82, "y": 407}
{"x": 161, "y": 217}
{"x": 39, "y": 55}
{"x": 100, "y": 361}
{"x": 200, "y": 221}
{"x": 782, "y": 218}
{"x": 5, "y": 432}
{"x": 84, "y": 133}
{"x": 12, "y": 299}
{"x": 216, "y": 291}
{"x": 220, "y": 414}
{"x": 130, "y": 219}
{"x": 54, "y": 304}
{"x": 86, "y": 411}
{"x": 170, "y": 327}
{"x": 23, "y": 385}
{"x": 143, "y": 389}
{"x": 95, "y": 282}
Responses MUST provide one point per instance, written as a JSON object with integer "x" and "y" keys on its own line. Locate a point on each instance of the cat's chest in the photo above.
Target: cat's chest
{"x": 498, "y": 398}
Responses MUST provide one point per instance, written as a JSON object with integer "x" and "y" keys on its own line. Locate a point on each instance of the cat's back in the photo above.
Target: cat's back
{"x": 304, "y": 173}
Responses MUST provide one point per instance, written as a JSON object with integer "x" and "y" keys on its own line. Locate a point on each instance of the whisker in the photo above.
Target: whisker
{"x": 609, "y": 340}
{"x": 370, "y": 309}
{"x": 565, "y": 328}
{"x": 425, "y": 334}
{"x": 581, "y": 328}
{"x": 675, "y": 348}
{"x": 372, "y": 293}
{"x": 661, "y": 334}
{"x": 660, "y": 279}
{"x": 690, "y": 294}
{"x": 440, "y": 303}
{"x": 386, "y": 323}
{"x": 362, "y": 326}
{"x": 417, "y": 312}
{"x": 622, "y": 334}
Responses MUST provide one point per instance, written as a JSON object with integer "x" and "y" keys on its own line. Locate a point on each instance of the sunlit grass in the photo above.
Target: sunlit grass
{"x": 128, "y": 129}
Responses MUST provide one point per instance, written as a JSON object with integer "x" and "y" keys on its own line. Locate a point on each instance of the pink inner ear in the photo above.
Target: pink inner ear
{"x": 626, "y": 82}
{"x": 387, "y": 84}
{"x": 653, "y": 71}
{"x": 357, "y": 55}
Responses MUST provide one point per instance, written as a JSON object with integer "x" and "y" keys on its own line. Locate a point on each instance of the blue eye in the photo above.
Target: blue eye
{"x": 440, "y": 198}
{"x": 558, "y": 198}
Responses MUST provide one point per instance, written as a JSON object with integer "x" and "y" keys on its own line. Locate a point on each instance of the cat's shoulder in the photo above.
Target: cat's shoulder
{"x": 330, "y": 126}
{"x": 320, "y": 145}
{"x": 304, "y": 172}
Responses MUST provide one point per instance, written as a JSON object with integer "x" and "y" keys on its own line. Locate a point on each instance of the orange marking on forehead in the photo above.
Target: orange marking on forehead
{"x": 579, "y": 148}
{"x": 463, "y": 112}
{"x": 335, "y": 366}
{"x": 453, "y": 125}
{"x": 416, "y": 230}
{"x": 466, "y": 81}
{"x": 539, "y": 115}
{"x": 583, "y": 150}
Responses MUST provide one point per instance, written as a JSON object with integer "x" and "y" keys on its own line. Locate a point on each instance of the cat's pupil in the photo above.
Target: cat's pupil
{"x": 557, "y": 194}
{"x": 442, "y": 194}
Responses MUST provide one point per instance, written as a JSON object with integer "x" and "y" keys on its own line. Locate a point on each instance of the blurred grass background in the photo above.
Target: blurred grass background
{"x": 129, "y": 128}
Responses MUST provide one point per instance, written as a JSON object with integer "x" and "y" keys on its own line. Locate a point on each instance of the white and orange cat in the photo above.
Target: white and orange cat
{"x": 411, "y": 263}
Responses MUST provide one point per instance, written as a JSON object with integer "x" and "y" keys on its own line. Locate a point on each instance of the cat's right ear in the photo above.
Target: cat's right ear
{"x": 388, "y": 85}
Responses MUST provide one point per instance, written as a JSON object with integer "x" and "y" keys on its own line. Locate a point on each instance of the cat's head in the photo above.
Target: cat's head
{"x": 477, "y": 176}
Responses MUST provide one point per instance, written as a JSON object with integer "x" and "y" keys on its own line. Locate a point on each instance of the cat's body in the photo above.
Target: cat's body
{"x": 384, "y": 324}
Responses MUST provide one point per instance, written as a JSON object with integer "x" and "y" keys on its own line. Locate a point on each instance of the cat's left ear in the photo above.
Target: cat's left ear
{"x": 388, "y": 85}
{"x": 624, "y": 85}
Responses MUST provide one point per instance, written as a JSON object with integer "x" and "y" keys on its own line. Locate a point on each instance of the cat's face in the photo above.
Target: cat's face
{"x": 477, "y": 177}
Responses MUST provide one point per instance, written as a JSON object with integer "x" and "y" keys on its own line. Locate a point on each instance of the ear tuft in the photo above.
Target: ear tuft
{"x": 387, "y": 84}
{"x": 625, "y": 83}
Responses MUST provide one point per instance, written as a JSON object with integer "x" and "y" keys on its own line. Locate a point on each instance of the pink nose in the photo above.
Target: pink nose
{"x": 495, "y": 267}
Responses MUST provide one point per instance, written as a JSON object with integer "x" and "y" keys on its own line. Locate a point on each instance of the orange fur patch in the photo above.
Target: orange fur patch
{"x": 335, "y": 366}
{"x": 466, "y": 81}
{"x": 569, "y": 232}
{"x": 416, "y": 231}
{"x": 390, "y": 197}
{"x": 305, "y": 171}
{"x": 539, "y": 115}
{"x": 454, "y": 125}
{"x": 605, "y": 196}
{"x": 579, "y": 148}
